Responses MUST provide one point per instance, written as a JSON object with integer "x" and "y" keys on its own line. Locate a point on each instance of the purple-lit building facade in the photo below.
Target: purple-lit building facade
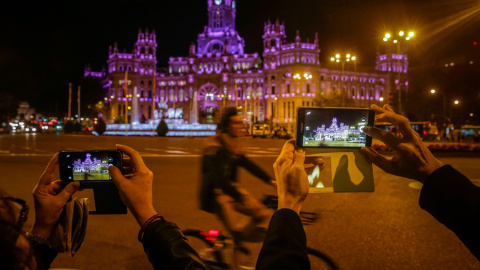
{"x": 90, "y": 165}
{"x": 219, "y": 73}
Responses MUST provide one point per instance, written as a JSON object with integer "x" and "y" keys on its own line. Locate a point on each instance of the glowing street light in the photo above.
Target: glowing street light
{"x": 456, "y": 102}
{"x": 381, "y": 99}
{"x": 432, "y": 91}
{"x": 397, "y": 40}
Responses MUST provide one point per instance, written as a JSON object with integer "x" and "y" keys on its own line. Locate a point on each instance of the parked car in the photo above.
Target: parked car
{"x": 261, "y": 130}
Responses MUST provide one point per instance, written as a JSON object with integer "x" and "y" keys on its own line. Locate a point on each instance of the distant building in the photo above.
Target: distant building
{"x": 218, "y": 72}
{"x": 25, "y": 113}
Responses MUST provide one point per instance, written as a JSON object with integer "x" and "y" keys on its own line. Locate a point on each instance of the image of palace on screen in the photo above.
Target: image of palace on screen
{"x": 90, "y": 165}
{"x": 340, "y": 132}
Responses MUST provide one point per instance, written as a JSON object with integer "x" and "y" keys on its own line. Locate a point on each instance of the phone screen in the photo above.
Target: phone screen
{"x": 88, "y": 166}
{"x": 333, "y": 127}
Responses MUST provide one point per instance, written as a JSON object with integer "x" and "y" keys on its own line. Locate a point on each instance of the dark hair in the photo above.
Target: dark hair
{"x": 11, "y": 257}
{"x": 225, "y": 121}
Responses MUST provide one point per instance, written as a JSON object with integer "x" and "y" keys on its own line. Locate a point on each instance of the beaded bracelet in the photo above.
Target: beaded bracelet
{"x": 36, "y": 239}
{"x": 147, "y": 223}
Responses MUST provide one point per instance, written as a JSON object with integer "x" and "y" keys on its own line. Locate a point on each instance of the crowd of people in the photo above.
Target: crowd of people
{"x": 447, "y": 195}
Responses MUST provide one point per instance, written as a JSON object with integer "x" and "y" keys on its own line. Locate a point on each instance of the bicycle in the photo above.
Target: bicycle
{"x": 217, "y": 244}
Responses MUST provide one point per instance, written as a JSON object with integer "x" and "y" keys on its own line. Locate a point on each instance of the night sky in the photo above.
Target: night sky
{"x": 45, "y": 45}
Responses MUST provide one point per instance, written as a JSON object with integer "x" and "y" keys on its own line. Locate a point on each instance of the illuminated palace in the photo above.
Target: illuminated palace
{"x": 218, "y": 72}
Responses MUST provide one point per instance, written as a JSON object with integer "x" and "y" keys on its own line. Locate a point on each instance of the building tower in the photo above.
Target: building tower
{"x": 273, "y": 35}
{"x": 146, "y": 51}
{"x": 220, "y": 29}
{"x": 392, "y": 59}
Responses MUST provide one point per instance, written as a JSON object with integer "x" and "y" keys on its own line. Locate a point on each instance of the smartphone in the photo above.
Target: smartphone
{"x": 333, "y": 127}
{"x": 88, "y": 167}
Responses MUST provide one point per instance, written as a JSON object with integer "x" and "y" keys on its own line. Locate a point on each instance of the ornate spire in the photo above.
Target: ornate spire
{"x": 297, "y": 38}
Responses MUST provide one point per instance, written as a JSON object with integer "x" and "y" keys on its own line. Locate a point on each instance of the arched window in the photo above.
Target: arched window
{"x": 142, "y": 83}
{"x": 120, "y": 68}
{"x": 142, "y": 50}
{"x": 149, "y": 83}
{"x": 239, "y": 93}
{"x": 150, "y": 51}
{"x": 181, "y": 95}
{"x": 308, "y": 88}
{"x": 172, "y": 94}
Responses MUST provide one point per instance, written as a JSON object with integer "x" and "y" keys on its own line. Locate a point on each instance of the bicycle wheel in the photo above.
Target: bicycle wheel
{"x": 324, "y": 257}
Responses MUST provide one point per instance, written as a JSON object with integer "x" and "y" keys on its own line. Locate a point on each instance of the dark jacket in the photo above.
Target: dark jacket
{"x": 454, "y": 200}
{"x": 219, "y": 171}
{"x": 167, "y": 248}
{"x": 285, "y": 245}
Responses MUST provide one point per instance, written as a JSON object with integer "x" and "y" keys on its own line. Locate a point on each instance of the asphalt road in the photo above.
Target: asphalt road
{"x": 385, "y": 229}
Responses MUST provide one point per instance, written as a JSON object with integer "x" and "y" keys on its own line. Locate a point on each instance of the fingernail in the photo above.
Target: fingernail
{"x": 299, "y": 150}
{"x": 366, "y": 129}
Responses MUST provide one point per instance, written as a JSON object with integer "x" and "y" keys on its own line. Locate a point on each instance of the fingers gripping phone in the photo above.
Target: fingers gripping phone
{"x": 90, "y": 168}
{"x": 335, "y": 135}
{"x": 333, "y": 127}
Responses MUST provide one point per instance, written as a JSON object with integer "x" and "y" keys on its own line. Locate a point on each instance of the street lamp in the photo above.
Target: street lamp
{"x": 400, "y": 37}
{"x": 456, "y": 102}
{"x": 344, "y": 59}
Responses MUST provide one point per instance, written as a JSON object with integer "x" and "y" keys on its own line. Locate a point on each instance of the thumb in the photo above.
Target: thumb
{"x": 299, "y": 157}
{"x": 68, "y": 191}
{"x": 117, "y": 176}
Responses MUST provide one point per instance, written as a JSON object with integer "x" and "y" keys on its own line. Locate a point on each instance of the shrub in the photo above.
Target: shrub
{"x": 77, "y": 127}
{"x": 162, "y": 129}
{"x": 68, "y": 127}
{"x": 100, "y": 126}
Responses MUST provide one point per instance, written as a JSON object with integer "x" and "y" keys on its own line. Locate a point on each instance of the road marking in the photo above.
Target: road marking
{"x": 4, "y": 151}
{"x": 26, "y": 148}
{"x": 152, "y": 149}
{"x": 177, "y": 148}
{"x": 26, "y": 155}
{"x": 176, "y": 152}
{"x": 415, "y": 185}
{"x": 261, "y": 152}
{"x": 273, "y": 149}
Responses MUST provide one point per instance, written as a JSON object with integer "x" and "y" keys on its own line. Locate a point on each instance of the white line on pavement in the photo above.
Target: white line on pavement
{"x": 4, "y": 151}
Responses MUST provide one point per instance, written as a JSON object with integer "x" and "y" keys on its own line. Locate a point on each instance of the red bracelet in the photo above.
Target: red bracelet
{"x": 147, "y": 223}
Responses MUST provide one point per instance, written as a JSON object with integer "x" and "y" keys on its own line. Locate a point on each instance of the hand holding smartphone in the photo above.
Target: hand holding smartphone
{"x": 90, "y": 169}
{"x": 336, "y": 136}
{"x": 333, "y": 127}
